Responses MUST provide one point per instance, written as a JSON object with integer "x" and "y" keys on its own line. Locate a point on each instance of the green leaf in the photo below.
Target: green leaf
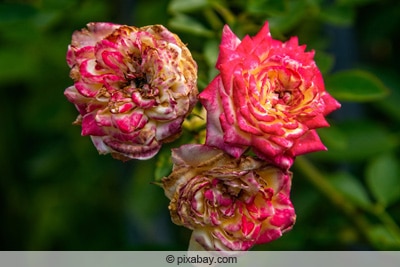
{"x": 211, "y": 51}
{"x": 355, "y": 85}
{"x": 270, "y": 7}
{"x": 324, "y": 61}
{"x": 383, "y": 179}
{"x": 178, "y": 6}
{"x": 355, "y": 2}
{"x": 338, "y": 15}
{"x": 163, "y": 164}
{"x": 296, "y": 10}
{"x": 357, "y": 141}
{"x": 187, "y": 24}
{"x": 333, "y": 138}
{"x": 383, "y": 239}
{"x": 351, "y": 188}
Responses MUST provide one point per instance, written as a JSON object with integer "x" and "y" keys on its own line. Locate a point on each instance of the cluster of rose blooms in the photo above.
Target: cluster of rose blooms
{"x": 134, "y": 87}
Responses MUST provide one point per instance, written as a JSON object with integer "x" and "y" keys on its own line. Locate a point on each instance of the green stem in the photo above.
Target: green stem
{"x": 388, "y": 221}
{"x": 228, "y": 16}
{"x": 318, "y": 180}
{"x": 213, "y": 19}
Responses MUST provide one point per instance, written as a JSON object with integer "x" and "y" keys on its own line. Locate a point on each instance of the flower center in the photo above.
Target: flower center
{"x": 138, "y": 82}
{"x": 283, "y": 96}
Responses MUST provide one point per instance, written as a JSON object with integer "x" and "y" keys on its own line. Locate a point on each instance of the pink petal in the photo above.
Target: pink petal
{"x": 309, "y": 142}
{"x": 86, "y": 89}
{"x": 283, "y": 218}
{"x": 128, "y": 123}
{"x": 229, "y": 42}
{"x": 268, "y": 236}
{"x": 90, "y": 126}
{"x": 134, "y": 151}
{"x": 331, "y": 104}
{"x": 94, "y": 33}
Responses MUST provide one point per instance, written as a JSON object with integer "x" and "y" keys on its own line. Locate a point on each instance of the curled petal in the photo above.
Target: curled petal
{"x": 133, "y": 87}
{"x": 268, "y": 96}
{"x": 229, "y": 203}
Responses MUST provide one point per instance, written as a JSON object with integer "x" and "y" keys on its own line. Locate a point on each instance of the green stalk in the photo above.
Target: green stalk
{"x": 388, "y": 221}
{"x": 228, "y": 16}
{"x": 319, "y": 181}
{"x": 316, "y": 178}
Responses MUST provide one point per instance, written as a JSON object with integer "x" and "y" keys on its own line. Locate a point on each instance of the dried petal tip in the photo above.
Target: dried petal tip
{"x": 133, "y": 87}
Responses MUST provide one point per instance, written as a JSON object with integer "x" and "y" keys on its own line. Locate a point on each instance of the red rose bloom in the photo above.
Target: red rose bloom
{"x": 269, "y": 95}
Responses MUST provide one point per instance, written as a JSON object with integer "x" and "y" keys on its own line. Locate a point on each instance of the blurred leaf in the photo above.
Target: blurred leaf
{"x": 226, "y": 14}
{"x": 383, "y": 179}
{"x": 389, "y": 105}
{"x": 355, "y": 85}
{"x": 14, "y": 12}
{"x": 178, "y": 6}
{"x": 338, "y": 15}
{"x": 188, "y": 24}
{"x": 163, "y": 164}
{"x": 324, "y": 61}
{"x": 211, "y": 51}
{"x": 296, "y": 10}
{"x": 364, "y": 139}
{"x": 383, "y": 238}
{"x": 355, "y": 2}
{"x": 213, "y": 19}
{"x": 333, "y": 138}
{"x": 351, "y": 188}
{"x": 271, "y": 7}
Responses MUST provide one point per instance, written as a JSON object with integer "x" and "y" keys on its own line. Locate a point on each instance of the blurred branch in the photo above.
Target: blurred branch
{"x": 315, "y": 177}
{"x": 227, "y": 15}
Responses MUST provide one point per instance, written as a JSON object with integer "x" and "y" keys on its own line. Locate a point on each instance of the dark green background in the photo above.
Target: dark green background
{"x": 57, "y": 193}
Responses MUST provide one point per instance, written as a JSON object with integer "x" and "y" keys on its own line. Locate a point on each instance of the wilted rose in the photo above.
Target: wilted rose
{"x": 229, "y": 203}
{"x": 133, "y": 87}
{"x": 269, "y": 96}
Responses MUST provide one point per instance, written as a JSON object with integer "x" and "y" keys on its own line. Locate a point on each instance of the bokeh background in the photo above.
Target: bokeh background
{"x": 57, "y": 193}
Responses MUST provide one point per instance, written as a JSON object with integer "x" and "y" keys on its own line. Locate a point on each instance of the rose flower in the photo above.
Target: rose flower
{"x": 133, "y": 87}
{"x": 269, "y": 96}
{"x": 229, "y": 203}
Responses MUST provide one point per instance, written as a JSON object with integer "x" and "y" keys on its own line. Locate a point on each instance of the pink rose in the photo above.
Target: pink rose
{"x": 229, "y": 203}
{"x": 269, "y": 96}
{"x": 133, "y": 87}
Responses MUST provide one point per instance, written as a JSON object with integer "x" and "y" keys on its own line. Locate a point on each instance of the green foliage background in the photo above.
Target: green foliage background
{"x": 57, "y": 193}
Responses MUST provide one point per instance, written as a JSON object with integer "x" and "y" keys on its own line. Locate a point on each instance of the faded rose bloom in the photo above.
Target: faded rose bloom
{"x": 133, "y": 87}
{"x": 229, "y": 203}
{"x": 269, "y": 96}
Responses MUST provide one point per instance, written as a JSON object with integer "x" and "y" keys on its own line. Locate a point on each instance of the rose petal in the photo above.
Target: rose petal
{"x": 128, "y": 82}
